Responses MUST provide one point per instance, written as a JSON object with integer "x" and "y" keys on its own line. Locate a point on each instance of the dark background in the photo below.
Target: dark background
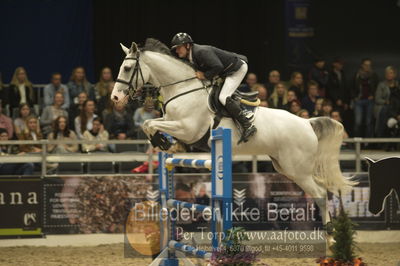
{"x": 48, "y": 35}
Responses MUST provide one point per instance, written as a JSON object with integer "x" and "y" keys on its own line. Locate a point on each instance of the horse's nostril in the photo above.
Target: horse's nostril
{"x": 115, "y": 97}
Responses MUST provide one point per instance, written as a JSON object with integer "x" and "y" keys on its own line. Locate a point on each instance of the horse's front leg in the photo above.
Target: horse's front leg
{"x": 154, "y": 127}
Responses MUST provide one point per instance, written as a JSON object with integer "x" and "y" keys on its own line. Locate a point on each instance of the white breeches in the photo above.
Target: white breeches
{"x": 232, "y": 82}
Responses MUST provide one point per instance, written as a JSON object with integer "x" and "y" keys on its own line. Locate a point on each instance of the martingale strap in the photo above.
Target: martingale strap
{"x": 183, "y": 93}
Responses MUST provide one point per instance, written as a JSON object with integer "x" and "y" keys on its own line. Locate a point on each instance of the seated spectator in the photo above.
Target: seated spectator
{"x": 84, "y": 121}
{"x": 382, "y": 98}
{"x": 294, "y": 107}
{"x": 106, "y": 81}
{"x": 327, "y": 107}
{"x": 12, "y": 168}
{"x": 145, "y": 112}
{"x": 308, "y": 102}
{"x": 251, "y": 80}
{"x": 56, "y": 86}
{"x": 278, "y": 98}
{"x": 291, "y": 96}
{"x": 363, "y": 93}
{"x": 319, "y": 74}
{"x": 20, "y": 122}
{"x": 296, "y": 84}
{"x": 32, "y": 132}
{"x": 274, "y": 77}
{"x": 76, "y": 109}
{"x": 104, "y": 104}
{"x": 119, "y": 123}
{"x": 77, "y": 84}
{"x": 20, "y": 90}
{"x": 262, "y": 94}
{"x": 303, "y": 113}
{"x": 61, "y": 131}
{"x": 318, "y": 108}
{"x": 50, "y": 113}
{"x": 335, "y": 115}
{"x": 6, "y": 122}
{"x": 96, "y": 133}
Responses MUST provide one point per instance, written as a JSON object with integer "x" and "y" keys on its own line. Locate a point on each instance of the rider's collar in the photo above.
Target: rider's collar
{"x": 190, "y": 57}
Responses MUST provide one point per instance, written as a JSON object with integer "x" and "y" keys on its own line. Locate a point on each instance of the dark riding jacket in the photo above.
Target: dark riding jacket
{"x": 214, "y": 61}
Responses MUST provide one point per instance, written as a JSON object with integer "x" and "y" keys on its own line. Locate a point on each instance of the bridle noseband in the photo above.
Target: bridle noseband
{"x": 131, "y": 90}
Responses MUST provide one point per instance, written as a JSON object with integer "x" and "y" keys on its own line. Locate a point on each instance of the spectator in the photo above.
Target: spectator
{"x": 84, "y": 121}
{"x": 20, "y": 90}
{"x": 106, "y": 81}
{"x": 32, "y": 132}
{"x": 308, "y": 102}
{"x": 250, "y": 81}
{"x": 61, "y": 131}
{"x": 104, "y": 104}
{"x": 144, "y": 113}
{"x": 319, "y": 74}
{"x": 291, "y": 96}
{"x": 295, "y": 107}
{"x": 363, "y": 93}
{"x": 274, "y": 77}
{"x": 77, "y": 84}
{"x": 382, "y": 97}
{"x": 76, "y": 109}
{"x": 394, "y": 112}
{"x": 56, "y": 86}
{"x": 336, "y": 88}
{"x": 20, "y": 122}
{"x": 297, "y": 84}
{"x": 327, "y": 107}
{"x": 262, "y": 94}
{"x": 318, "y": 107}
{"x": 120, "y": 123}
{"x": 50, "y": 113}
{"x": 97, "y": 133}
{"x": 335, "y": 115}
{"x": 12, "y": 168}
{"x": 303, "y": 113}
{"x": 6, "y": 122}
{"x": 278, "y": 98}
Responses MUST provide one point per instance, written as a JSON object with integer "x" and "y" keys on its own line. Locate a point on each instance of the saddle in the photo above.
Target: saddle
{"x": 248, "y": 101}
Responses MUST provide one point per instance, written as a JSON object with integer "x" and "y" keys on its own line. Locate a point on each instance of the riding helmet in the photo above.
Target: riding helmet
{"x": 179, "y": 39}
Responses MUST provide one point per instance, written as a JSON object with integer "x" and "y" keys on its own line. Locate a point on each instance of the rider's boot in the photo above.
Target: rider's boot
{"x": 234, "y": 109}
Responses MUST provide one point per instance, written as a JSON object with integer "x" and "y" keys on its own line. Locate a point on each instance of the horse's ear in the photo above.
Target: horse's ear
{"x": 124, "y": 48}
{"x": 133, "y": 48}
{"x": 369, "y": 161}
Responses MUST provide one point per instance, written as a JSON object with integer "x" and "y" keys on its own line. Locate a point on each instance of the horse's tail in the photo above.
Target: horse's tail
{"x": 327, "y": 169}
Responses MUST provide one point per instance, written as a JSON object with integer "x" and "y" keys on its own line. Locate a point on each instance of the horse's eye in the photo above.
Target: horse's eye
{"x": 127, "y": 68}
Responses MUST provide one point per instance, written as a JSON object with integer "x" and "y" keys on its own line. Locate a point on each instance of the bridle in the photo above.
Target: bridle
{"x": 131, "y": 90}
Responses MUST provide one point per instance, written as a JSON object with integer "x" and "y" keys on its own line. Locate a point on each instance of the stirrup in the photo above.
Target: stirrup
{"x": 252, "y": 129}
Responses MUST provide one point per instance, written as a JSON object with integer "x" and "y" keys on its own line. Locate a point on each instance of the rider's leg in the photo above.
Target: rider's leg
{"x": 232, "y": 82}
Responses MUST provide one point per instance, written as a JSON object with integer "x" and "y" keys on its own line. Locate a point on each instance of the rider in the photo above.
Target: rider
{"x": 210, "y": 62}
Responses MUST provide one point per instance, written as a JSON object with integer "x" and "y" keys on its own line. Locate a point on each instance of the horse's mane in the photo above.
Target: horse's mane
{"x": 157, "y": 46}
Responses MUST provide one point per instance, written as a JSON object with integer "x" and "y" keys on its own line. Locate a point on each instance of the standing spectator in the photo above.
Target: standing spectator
{"x": 77, "y": 84}
{"x": 278, "y": 98}
{"x": 56, "y": 86}
{"x": 84, "y": 121}
{"x": 6, "y": 122}
{"x": 76, "y": 109}
{"x": 336, "y": 88}
{"x": 297, "y": 84}
{"x": 105, "y": 82}
{"x": 319, "y": 74}
{"x": 50, "y": 113}
{"x": 20, "y": 90}
{"x": 120, "y": 123}
{"x": 274, "y": 77}
{"x": 61, "y": 131}
{"x": 12, "y": 168}
{"x": 32, "y": 132}
{"x": 20, "y": 122}
{"x": 394, "y": 112}
{"x": 96, "y": 133}
{"x": 250, "y": 80}
{"x": 295, "y": 107}
{"x": 262, "y": 94}
{"x": 382, "y": 98}
{"x": 308, "y": 102}
{"x": 365, "y": 83}
{"x": 327, "y": 107}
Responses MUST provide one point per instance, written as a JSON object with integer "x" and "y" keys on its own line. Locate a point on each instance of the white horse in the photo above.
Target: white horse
{"x": 304, "y": 150}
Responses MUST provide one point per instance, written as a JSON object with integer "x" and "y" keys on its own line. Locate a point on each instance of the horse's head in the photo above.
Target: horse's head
{"x": 133, "y": 74}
